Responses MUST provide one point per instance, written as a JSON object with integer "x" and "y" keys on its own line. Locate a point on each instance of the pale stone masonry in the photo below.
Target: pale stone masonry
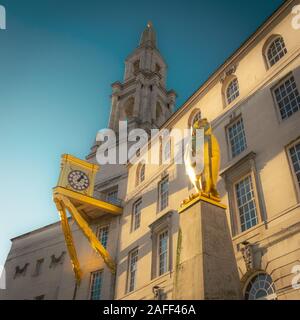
{"x": 253, "y": 103}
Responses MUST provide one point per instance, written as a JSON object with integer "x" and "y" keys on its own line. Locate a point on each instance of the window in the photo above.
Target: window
{"x": 161, "y": 231}
{"x": 167, "y": 151}
{"x": 232, "y": 91}
{"x": 159, "y": 112}
{"x": 196, "y": 117}
{"x": 237, "y": 137}
{"x": 163, "y": 252}
{"x": 136, "y": 66}
{"x": 133, "y": 258}
{"x": 163, "y": 193}
{"x": 295, "y": 160}
{"x": 261, "y": 287}
{"x": 102, "y": 235}
{"x": 246, "y": 203}
{"x": 96, "y": 285}
{"x": 287, "y": 97}
{"x": 157, "y": 68}
{"x": 276, "y": 50}
{"x": 245, "y": 194}
{"x": 112, "y": 195}
{"x": 128, "y": 108}
{"x": 136, "y": 218}
{"x": 140, "y": 175}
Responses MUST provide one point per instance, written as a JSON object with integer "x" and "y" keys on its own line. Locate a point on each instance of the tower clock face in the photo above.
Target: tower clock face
{"x": 78, "y": 180}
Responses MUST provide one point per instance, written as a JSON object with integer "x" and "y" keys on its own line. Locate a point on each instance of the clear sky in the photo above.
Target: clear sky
{"x": 57, "y": 61}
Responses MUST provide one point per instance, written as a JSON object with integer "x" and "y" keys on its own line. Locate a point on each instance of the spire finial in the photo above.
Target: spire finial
{"x": 148, "y": 36}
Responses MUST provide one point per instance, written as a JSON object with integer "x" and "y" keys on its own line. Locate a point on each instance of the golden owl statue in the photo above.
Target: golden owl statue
{"x": 202, "y": 160}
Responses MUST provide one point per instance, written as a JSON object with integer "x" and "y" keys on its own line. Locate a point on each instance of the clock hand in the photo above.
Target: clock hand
{"x": 80, "y": 178}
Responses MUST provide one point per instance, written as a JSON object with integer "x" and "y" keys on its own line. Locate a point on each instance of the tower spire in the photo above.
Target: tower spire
{"x": 142, "y": 99}
{"x": 148, "y": 37}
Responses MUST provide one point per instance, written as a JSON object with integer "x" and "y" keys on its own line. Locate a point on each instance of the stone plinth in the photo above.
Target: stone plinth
{"x": 206, "y": 267}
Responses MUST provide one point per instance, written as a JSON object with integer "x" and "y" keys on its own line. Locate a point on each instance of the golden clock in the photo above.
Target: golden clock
{"x": 77, "y": 175}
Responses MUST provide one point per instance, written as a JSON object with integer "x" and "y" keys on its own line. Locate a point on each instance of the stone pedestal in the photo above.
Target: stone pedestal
{"x": 206, "y": 267}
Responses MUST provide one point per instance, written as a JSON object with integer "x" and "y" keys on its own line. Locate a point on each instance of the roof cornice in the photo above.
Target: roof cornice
{"x": 228, "y": 62}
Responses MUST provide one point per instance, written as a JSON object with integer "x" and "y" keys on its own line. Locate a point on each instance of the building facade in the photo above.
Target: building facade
{"x": 253, "y": 104}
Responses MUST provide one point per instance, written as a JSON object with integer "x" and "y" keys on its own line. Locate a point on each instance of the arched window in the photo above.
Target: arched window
{"x": 158, "y": 110}
{"x": 167, "y": 151}
{"x": 136, "y": 66}
{"x": 140, "y": 175}
{"x": 275, "y": 50}
{"x": 261, "y": 287}
{"x": 196, "y": 117}
{"x": 128, "y": 108}
{"x": 232, "y": 91}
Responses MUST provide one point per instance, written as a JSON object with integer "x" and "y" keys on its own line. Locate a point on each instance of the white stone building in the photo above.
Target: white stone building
{"x": 253, "y": 104}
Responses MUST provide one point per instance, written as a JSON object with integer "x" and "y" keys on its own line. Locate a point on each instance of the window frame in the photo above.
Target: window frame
{"x": 98, "y": 230}
{"x": 167, "y": 150}
{"x": 267, "y": 47}
{"x": 141, "y": 168}
{"x": 164, "y": 223}
{"x": 228, "y": 126}
{"x": 292, "y": 169}
{"x": 232, "y": 175}
{"x": 130, "y": 254}
{"x": 101, "y": 272}
{"x": 238, "y": 92}
{"x": 164, "y": 179}
{"x": 253, "y": 279}
{"x": 237, "y": 211}
{"x": 133, "y": 217}
{"x": 276, "y": 86}
{"x": 197, "y": 116}
{"x": 165, "y": 230}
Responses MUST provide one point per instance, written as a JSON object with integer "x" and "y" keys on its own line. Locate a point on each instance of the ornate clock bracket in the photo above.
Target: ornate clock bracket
{"x": 80, "y": 203}
{"x": 63, "y": 203}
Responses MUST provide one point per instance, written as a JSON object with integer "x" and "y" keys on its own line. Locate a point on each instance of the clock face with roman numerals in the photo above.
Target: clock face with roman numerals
{"x": 78, "y": 180}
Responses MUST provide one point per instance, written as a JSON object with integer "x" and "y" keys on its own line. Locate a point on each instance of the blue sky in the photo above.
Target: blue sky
{"x": 57, "y": 61}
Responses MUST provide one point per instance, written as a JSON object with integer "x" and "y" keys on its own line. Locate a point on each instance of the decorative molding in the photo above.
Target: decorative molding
{"x": 21, "y": 271}
{"x": 159, "y": 225}
{"x": 247, "y": 253}
{"x": 228, "y": 72}
{"x": 55, "y": 261}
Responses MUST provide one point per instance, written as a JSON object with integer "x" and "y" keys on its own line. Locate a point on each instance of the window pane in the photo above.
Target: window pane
{"x": 276, "y": 51}
{"x": 196, "y": 118}
{"x": 261, "y": 287}
{"x": 137, "y": 207}
{"x": 96, "y": 285}
{"x": 163, "y": 252}
{"x": 142, "y": 174}
{"x": 167, "y": 151}
{"x": 232, "y": 91}
{"x": 287, "y": 98}
{"x": 246, "y": 204}
{"x": 237, "y": 138}
{"x": 102, "y": 235}
{"x": 295, "y": 157}
{"x": 133, "y": 257}
{"x": 164, "y": 194}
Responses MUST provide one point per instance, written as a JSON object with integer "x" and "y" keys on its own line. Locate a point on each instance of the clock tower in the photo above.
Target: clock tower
{"x": 142, "y": 98}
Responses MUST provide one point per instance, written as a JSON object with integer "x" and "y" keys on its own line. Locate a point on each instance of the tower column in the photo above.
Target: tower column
{"x": 137, "y": 100}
